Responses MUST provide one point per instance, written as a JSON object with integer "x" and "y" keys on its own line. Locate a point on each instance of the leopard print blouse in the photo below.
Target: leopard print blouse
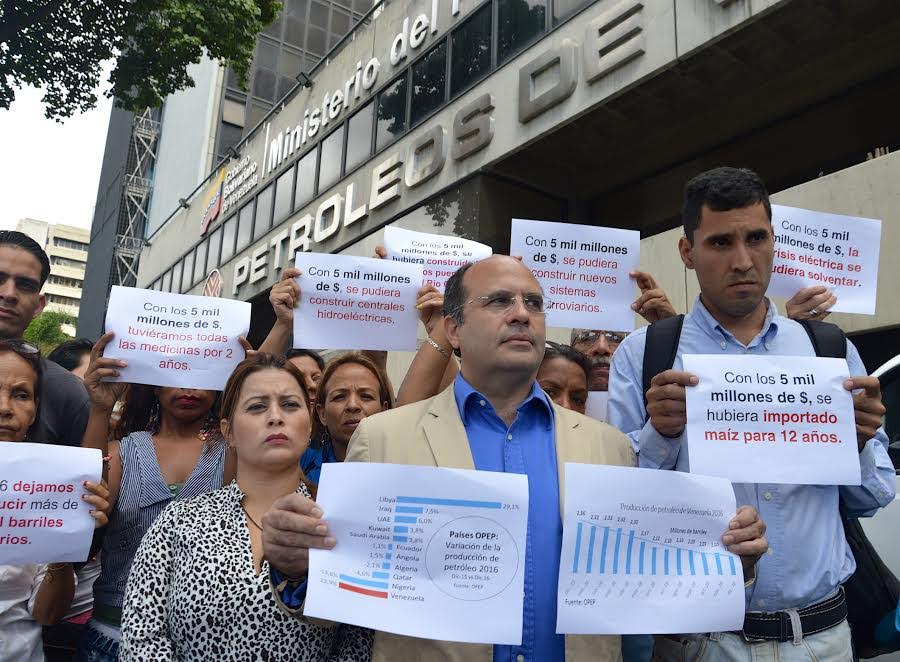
{"x": 194, "y": 595}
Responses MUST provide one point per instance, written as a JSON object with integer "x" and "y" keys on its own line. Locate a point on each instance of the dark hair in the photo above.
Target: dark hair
{"x": 555, "y": 350}
{"x": 26, "y": 243}
{"x": 68, "y": 354}
{"x": 21, "y": 348}
{"x": 721, "y": 189}
{"x": 384, "y": 388}
{"x": 455, "y": 294}
{"x": 294, "y": 353}
{"x": 139, "y": 402}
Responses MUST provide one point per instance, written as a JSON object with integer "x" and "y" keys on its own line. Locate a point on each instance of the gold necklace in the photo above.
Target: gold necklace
{"x": 252, "y": 521}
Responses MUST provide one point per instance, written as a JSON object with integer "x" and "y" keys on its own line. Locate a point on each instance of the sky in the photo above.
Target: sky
{"x": 50, "y": 171}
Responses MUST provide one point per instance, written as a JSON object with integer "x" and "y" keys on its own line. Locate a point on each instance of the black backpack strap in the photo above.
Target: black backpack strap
{"x": 827, "y": 339}
{"x": 660, "y": 349}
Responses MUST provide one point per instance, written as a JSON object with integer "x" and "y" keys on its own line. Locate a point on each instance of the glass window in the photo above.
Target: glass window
{"x": 519, "y": 21}
{"x": 200, "y": 261}
{"x": 255, "y": 113}
{"x": 215, "y": 242}
{"x": 291, "y": 63}
{"x": 429, "y": 78}
{"x": 471, "y": 50}
{"x": 359, "y": 137}
{"x": 264, "y": 84}
{"x": 306, "y": 179}
{"x": 340, "y": 22}
{"x": 562, "y": 9}
{"x": 228, "y": 232}
{"x": 245, "y": 227}
{"x": 233, "y": 112}
{"x": 266, "y": 55}
{"x": 176, "y": 277}
{"x": 186, "y": 280}
{"x": 263, "y": 213}
{"x": 274, "y": 28}
{"x": 284, "y": 195}
{"x": 330, "y": 165}
{"x": 295, "y": 8}
{"x": 316, "y": 40}
{"x": 391, "y": 112}
{"x": 231, "y": 79}
{"x": 318, "y": 14}
{"x": 167, "y": 282}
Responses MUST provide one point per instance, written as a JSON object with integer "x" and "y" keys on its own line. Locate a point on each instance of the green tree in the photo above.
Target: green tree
{"x": 46, "y": 332}
{"x": 59, "y": 45}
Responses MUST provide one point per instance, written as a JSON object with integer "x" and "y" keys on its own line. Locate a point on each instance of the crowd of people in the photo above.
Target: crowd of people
{"x": 207, "y": 511}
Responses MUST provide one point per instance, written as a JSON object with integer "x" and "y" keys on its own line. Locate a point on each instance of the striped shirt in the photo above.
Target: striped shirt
{"x": 143, "y": 495}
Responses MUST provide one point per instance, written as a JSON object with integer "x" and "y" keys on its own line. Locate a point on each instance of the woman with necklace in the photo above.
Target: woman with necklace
{"x": 199, "y": 588}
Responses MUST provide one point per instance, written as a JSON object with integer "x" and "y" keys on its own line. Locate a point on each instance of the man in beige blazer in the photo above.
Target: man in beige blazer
{"x": 494, "y": 318}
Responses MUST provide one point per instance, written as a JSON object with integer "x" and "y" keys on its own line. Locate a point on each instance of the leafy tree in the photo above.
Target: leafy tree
{"x": 46, "y": 332}
{"x": 59, "y": 45}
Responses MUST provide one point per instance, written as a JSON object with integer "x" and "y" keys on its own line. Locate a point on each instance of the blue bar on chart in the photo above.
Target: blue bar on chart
{"x": 401, "y": 519}
{"x": 577, "y": 548}
{"x": 410, "y": 510}
{"x": 464, "y": 503}
{"x": 590, "y": 561}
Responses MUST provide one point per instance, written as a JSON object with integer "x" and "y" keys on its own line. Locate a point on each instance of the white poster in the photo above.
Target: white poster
{"x": 422, "y": 551}
{"x": 642, "y": 553}
{"x": 771, "y": 419}
{"x": 43, "y": 518}
{"x": 175, "y": 339}
{"x": 818, "y": 248}
{"x": 583, "y": 270}
{"x": 356, "y": 303}
{"x": 440, "y": 255}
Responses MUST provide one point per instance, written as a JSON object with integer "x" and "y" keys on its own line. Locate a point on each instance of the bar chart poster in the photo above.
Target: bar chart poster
{"x": 422, "y": 551}
{"x": 642, "y": 553}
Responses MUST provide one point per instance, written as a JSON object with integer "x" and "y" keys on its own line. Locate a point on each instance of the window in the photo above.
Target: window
{"x": 318, "y": 14}
{"x": 200, "y": 261}
{"x": 215, "y": 243}
{"x": 429, "y": 76}
{"x": 264, "y": 84}
{"x": 391, "y": 112}
{"x": 562, "y": 9}
{"x": 306, "y": 179}
{"x": 229, "y": 136}
{"x": 330, "y": 165}
{"x": 167, "y": 282}
{"x": 519, "y": 21}
{"x": 68, "y": 243}
{"x": 176, "y": 277}
{"x": 340, "y": 22}
{"x": 233, "y": 112}
{"x": 263, "y": 213}
{"x": 315, "y": 40}
{"x": 228, "y": 232}
{"x": 284, "y": 195}
{"x": 186, "y": 281}
{"x": 245, "y": 227}
{"x": 470, "y": 50}
{"x": 359, "y": 137}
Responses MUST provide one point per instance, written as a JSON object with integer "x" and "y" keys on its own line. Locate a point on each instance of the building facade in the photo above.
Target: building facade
{"x": 455, "y": 116}
{"x": 67, "y": 248}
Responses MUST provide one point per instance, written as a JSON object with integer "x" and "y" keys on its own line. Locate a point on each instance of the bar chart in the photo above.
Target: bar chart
{"x": 642, "y": 553}
{"x": 416, "y": 545}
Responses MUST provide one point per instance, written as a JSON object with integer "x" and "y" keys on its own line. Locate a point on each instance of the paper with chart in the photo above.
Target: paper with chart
{"x": 422, "y": 551}
{"x": 642, "y": 553}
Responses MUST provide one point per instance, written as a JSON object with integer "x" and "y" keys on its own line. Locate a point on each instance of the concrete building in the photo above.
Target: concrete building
{"x": 67, "y": 248}
{"x": 153, "y": 160}
{"x": 454, "y": 116}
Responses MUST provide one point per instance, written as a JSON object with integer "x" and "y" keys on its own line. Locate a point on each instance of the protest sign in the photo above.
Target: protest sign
{"x": 817, "y": 248}
{"x": 583, "y": 270}
{"x": 356, "y": 303}
{"x": 439, "y": 255}
{"x": 43, "y": 518}
{"x": 422, "y": 551}
{"x": 175, "y": 339}
{"x": 771, "y": 419}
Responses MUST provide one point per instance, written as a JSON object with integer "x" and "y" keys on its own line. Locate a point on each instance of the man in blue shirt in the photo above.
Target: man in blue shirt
{"x": 795, "y": 608}
{"x": 494, "y": 417}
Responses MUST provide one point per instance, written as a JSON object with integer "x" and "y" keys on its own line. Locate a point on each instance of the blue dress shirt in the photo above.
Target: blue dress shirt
{"x": 808, "y": 555}
{"x": 528, "y": 446}
{"x": 313, "y": 458}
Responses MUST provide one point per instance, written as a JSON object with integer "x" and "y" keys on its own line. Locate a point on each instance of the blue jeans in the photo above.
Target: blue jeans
{"x": 832, "y": 645}
{"x": 96, "y": 647}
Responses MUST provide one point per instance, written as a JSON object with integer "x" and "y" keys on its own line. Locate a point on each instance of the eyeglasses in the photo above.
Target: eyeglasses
{"x": 502, "y": 302}
{"x": 590, "y": 337}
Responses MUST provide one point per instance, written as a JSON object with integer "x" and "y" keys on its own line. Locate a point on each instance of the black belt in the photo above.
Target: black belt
{"x": 776, "y": 626}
